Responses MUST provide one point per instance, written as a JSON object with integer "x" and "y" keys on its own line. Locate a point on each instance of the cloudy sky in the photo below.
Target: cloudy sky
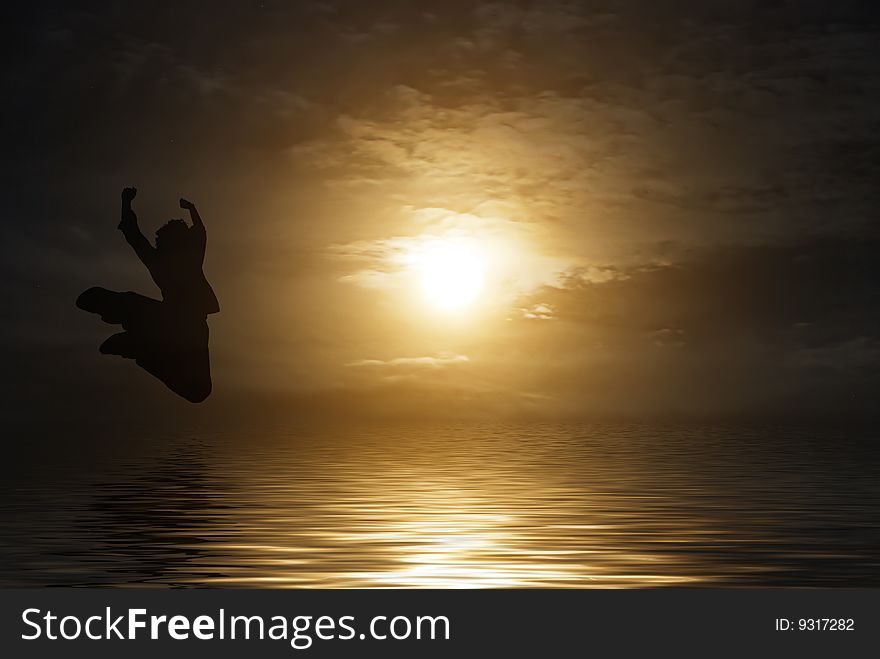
{"x": 673, "y": 205}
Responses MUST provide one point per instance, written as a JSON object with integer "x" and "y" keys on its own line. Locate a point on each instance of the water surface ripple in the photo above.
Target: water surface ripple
{"x": 458, "y": 506}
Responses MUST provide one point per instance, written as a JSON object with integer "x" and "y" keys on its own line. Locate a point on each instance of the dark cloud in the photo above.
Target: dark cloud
{"x": 820, "y": 291}
{"x": 793, "y": 329}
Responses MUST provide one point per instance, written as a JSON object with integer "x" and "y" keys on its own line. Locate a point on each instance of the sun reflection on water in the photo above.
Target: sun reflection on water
{"x": 416, "y": 516}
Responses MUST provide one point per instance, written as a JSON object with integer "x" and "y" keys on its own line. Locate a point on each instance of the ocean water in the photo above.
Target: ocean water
{"x": 473, "y": 506}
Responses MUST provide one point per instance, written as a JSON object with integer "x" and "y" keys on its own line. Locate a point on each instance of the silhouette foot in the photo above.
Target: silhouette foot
{"x": 119, "y": 344}
{"x": 98, "y": 300}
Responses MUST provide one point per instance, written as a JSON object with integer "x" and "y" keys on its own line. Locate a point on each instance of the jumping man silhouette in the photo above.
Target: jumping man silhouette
{"x": 167, "y": 338}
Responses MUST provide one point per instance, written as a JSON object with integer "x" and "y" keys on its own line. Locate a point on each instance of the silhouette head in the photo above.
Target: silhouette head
{"x": 173, "y": 236}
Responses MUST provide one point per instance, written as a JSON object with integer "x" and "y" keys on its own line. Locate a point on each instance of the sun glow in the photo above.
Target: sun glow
{"x": 451, "y": 273}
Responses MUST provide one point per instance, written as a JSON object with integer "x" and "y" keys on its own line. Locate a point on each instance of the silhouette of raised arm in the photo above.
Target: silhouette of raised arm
{"x": 197, "y": 225}
{"x": 186, "y": 204}
{"x": 132, "y": 232}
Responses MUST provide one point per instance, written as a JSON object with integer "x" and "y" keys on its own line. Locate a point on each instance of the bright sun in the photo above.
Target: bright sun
{"x": 452, "y": 273}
